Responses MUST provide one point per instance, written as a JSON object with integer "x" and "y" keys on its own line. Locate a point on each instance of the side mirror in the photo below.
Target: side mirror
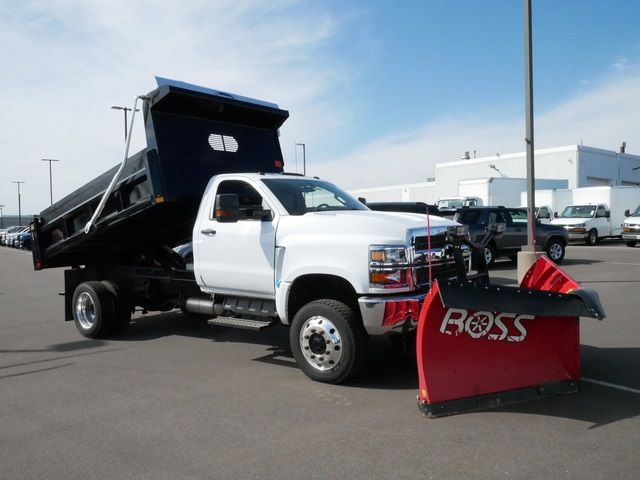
{"x": 227, "y": 207}
{"x": 627, "y": 213}
{"x": 555, "y": 214}
{"x": 362, "y": 200}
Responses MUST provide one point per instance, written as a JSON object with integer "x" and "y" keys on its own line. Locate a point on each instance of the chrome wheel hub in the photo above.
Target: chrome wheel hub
{"x": 85, "y": 310}
{"x": 488, "y": 255}
{"x": 320, "y": 343}
{"x": 555, "y": 252}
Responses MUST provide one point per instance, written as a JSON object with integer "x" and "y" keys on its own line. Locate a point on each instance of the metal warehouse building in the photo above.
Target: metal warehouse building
{"x": 579, "y": 165}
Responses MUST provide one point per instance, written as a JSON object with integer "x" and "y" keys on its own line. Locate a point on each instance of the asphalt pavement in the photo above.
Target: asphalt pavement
{"x": 176, "y": 398}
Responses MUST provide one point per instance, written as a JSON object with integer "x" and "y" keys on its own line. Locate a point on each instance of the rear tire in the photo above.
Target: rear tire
{"x": 328, "y": 341}
{"x": 93, "y": 309}
{"x": 592, "y": 238}
{"x": 631, "y": 244}
{"x": 122, "y": 307}
{"x": 556, "y": 250}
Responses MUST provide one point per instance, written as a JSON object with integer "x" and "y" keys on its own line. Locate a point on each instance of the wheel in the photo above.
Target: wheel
{"x": 490, "y": 254}
{"x": 592, "y": 239}
{"x": 122, "y": 306}
{"x": 555, "y": 250}
{"x": 631, "y": 244}
{"x": 327, "y": 341}
{"x": 93, "y": 309}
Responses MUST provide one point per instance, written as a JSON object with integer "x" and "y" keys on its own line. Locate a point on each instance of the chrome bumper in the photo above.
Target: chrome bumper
{"x": 578, "y": 236}
{"x": 384, "y": 314}
{"x": 634, "y": 236}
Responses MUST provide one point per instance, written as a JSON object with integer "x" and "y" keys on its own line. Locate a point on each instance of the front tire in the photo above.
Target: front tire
{"x": 489, "y": 254}
{"x": 592, "y": 238}
{"x": 631, "y": 244}
{"x": 93, "y": 309}
{"x": 328, "y": 341}
{"x": 556, "y": 250}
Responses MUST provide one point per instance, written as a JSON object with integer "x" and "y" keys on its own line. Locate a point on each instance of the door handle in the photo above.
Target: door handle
{"x": 208, "y": 231}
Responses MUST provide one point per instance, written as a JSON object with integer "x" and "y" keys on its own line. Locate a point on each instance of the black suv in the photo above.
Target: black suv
{"x": 552, "y": 239}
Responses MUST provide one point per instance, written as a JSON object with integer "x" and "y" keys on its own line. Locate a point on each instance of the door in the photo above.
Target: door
{"x": 516, "y": 229}
{"x": 602, "y": 222}
{"x": 238, "y": 257}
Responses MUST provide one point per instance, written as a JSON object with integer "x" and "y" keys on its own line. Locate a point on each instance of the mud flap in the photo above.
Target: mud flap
{"x": 484, "y": 346}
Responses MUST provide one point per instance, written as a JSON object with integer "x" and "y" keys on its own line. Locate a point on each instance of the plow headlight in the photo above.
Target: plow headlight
{"x": 458, "y": 231}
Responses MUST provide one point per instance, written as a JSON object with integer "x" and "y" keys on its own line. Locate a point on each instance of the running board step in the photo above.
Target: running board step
{"x": 240, "y": 323}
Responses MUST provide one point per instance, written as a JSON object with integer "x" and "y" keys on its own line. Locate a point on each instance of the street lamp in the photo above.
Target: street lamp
{"x": 304, "y": 157}
{"x": 50, "y": 180}
{"x": 125, "y": 110}
{"x": 19, "y": 206}
{"x": 1, "y": 217}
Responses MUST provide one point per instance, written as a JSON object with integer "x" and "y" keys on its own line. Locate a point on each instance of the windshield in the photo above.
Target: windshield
{"x": 636, "y": 213}
{"x": 303, "y": 195}
{"x": 450, "y": 203}
{"x": 579, "y": 211}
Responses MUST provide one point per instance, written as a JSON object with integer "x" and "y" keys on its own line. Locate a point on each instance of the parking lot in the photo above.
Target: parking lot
{"x": 176, "y": 398}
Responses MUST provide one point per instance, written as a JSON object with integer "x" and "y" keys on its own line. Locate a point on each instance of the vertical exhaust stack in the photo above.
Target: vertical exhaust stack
{"x": 486, "y": 346}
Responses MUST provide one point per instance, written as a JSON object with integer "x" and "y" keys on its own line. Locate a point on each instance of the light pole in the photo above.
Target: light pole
{"x": 1, "y": 217}
{"x": 50, "y": 178}
{"x": 304, "y": 157}
{"x": 19, "y": 206}
{"x": 125, "y": 110}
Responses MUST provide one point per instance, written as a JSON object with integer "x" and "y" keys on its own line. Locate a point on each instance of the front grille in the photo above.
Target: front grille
{"x": 422, "y": 243}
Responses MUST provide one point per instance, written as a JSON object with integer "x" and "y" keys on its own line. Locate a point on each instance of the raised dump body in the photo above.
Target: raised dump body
{"x": 192, "y": 134}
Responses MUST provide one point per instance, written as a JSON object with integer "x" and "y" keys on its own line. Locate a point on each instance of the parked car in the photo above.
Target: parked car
{"x": 23, "y": 241}
{"x": 407, "y": 207}
{"x": 10, "y": 239}
{"x": 7, "y": 231}
{"x": 552, "y": 239}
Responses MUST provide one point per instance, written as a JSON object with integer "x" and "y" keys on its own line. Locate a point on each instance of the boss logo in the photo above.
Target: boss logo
{"x": 495, "y": 326}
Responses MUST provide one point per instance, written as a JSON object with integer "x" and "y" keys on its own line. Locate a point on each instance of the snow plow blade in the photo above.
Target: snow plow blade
{"x": 483, "y": 346}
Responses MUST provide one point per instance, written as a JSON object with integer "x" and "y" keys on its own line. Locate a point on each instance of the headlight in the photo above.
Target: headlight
{"x": 580, "y": 225}
{"x": 389, "y": 267}
{"x": 458, "y": 231}
{"x": 388, "y": 255}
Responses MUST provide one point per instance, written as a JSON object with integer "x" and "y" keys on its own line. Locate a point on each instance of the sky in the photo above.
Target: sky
{"x": 379, "y": 91}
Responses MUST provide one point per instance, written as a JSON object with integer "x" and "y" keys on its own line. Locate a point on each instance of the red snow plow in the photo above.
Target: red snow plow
{"x": 481, "y": 346}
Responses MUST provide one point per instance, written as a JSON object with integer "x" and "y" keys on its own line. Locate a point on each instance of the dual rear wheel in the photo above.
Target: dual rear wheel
{"x": 100, "y": 308}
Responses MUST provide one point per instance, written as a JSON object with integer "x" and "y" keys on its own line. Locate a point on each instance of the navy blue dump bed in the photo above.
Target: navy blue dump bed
{"x": 192, "y": 134}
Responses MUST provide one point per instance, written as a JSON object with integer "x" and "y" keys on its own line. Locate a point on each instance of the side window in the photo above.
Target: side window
{"x": 497, "y": 216}
{"x": 469, "y": 217}
{"x": 544, "y": 213}
{"x": 518, "y": 216}
{"x": 600, "y": 212}
{"x": 250, "y": 201}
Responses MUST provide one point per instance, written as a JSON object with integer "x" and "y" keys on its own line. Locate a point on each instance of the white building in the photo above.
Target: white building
{"x": 579, "y": 165}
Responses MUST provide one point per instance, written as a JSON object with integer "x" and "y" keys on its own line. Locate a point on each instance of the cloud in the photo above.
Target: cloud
{"x": 602, "y": 116}
{"x": 71, "y": 60}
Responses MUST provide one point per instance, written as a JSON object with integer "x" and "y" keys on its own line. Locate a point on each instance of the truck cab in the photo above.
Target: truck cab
{"x": 631, "y": 227}
{"x": 299, "y": 251}
{"x": 588, "y": 223}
